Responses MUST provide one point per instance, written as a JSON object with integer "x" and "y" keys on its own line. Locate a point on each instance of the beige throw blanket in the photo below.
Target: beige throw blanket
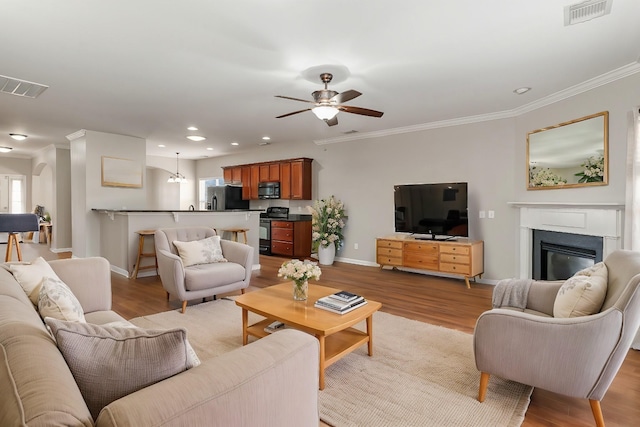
{"x": 511, "y": 293}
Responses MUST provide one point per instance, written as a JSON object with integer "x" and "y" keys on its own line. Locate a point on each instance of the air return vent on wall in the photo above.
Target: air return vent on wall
{"x": 20, "y": 87}
{"x": 585, "y": 11}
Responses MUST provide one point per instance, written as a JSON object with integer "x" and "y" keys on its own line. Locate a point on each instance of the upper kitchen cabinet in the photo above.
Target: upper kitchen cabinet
{"x": 232, "y": 175}
{"x": 294, "y": 176}
{"x": 295, "y": 179}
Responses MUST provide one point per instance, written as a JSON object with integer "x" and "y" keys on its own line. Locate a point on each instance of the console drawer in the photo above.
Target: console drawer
{"x": 455, "y": 249}
{"x": 455, "y": 268}
{"x": 455, "y": 258}
{"x": 420, "y": 260}
{"x": 390, "y": 252}
{"x": 386, "y": 260}
{"x": 395, "y": 244}
{"x": 423, "y": 248}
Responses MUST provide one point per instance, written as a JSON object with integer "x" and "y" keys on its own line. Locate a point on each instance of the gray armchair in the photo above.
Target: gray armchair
{"x": 576, "y": 357}
{"x": 201, "y": 280}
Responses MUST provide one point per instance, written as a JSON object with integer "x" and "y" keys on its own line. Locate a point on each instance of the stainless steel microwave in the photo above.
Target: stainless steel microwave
{"x": 269, "y": 190}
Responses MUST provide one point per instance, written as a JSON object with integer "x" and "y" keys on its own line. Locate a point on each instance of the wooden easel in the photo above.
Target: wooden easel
{"x": 13, "y": 239}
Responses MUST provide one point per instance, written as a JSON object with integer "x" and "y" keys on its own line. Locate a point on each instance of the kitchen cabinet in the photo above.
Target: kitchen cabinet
{"x": 291, "y": 238}
{"x": 294, "y": 175}
{"x": 232, "y": 175}
{"x": 255, "y": 179}
{"x": 274, "y": 172}
{"x": 246, "y": 183}
{"x": 301, "y": 179}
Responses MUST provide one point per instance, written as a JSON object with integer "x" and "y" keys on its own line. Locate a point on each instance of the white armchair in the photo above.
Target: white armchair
{"x": 575, "y": 356}
{"x": 202, "y": 280}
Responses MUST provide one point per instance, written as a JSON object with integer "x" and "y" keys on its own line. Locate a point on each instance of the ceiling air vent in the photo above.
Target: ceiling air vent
{"x": 585, "y": 11}
{"x": 19, "y": 87}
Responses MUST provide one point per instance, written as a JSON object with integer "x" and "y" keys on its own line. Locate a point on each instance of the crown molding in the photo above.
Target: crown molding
{"x": 601, "y": 80}
{"x": 78, "y": 134}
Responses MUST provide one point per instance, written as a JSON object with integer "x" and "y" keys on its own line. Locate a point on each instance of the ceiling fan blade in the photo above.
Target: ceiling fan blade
{"x": 332, "y": 122}
{"x": 345, "y": 96}
{"x": 295, "y": 112}
{"x": 294, "y": 99}
{"x": 361, "y": 111}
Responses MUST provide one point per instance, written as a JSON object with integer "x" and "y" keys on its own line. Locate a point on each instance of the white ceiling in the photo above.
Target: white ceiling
{"x": 151, "y": 68}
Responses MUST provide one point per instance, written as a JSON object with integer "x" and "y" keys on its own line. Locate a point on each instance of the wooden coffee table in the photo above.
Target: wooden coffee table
{"x": 334, "y": 332}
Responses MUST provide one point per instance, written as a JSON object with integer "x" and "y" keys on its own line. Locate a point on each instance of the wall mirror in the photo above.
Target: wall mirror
{"x": 568, "y": 155}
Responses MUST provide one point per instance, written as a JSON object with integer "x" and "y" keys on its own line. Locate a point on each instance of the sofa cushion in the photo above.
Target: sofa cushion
{"x": 110, "y": 362}
{"x": 56, "y": 300}
{"x": 34, "y": 372}
{"x": 207, "y": 276}
{"x": 583, "y": 293}
{"x": 30, "y": 276}
{"x": 203, "y": 251}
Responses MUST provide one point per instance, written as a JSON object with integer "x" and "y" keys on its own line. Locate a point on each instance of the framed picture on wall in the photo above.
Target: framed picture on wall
{"x": 121, "y": 172}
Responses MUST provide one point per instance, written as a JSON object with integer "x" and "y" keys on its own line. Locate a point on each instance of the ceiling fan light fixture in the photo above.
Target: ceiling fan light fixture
{"x": 324, "y": 112}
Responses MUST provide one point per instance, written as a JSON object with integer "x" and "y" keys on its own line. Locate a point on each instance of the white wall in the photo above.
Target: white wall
{"x": 490, "y": 156}
{"x": 87, "y": 192}
{"x": 168, "y": 195}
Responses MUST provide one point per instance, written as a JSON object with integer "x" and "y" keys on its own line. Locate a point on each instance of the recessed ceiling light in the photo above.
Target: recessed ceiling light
{"x": 210, "y": 148}
{"x": 522, "y": 90}
{"x": 161, "y": 145}
{"x": 5, "y": 149}
{"x": 266, "y": 138}
{"x": 234, "y": 143}
{"x": 196, "y": 138}
{"x": 192, "y": 128}
{"x": 18, "y": 136}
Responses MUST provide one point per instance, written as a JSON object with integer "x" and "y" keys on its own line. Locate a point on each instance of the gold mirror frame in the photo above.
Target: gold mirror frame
{"x": 569, "y": 155}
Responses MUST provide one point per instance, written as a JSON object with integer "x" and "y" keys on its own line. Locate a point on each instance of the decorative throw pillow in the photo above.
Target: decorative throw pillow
{"x": 203, "y": 251}
{"x": 30, "y": 276}
{"x": 110, "y": 362}
{"x": 192, "y": 357}
{"x": 56, "y": 300}
{"x": 583, "y": 293}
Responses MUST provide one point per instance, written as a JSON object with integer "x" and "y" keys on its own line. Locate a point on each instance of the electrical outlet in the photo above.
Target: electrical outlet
{"x": 482, "y": 214}
{"x": 355, "y": 246}
{"x": 491, "y": 214}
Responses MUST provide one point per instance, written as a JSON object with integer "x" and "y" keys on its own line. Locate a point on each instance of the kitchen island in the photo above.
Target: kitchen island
{"x": 119, "y": 241}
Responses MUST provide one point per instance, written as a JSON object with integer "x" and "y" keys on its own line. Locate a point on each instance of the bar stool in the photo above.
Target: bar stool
{"x": 234, "y": 233}
{"x": 141, "y": 254}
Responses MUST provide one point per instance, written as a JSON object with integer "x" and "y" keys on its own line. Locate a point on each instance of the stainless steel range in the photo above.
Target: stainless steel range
{"x": 274, "y": 212}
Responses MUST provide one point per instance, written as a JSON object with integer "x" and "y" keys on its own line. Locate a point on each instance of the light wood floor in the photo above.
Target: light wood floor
{"x": 438, "y": 301}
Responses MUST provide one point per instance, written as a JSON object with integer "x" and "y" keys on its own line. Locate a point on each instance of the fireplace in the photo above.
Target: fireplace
{"x": 557, "y": 256}
{"x": 600, "y": 220}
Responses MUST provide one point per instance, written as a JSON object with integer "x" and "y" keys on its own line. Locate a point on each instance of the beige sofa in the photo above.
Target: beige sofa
{"x": 273, "y": 381}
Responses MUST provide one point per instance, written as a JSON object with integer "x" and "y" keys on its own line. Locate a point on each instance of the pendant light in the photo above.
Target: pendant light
{"x": 177, "y": 177}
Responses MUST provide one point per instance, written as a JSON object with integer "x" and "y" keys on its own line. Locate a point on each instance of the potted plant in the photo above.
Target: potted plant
{"x": 327, "y": 222}
{"x": 592, "y": 170}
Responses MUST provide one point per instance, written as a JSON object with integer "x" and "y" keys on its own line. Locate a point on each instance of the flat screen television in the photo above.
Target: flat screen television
{"x": 432, "y": 211}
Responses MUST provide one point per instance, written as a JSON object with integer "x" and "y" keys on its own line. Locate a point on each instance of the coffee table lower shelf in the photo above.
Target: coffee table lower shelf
{"x": 336, "y": 345}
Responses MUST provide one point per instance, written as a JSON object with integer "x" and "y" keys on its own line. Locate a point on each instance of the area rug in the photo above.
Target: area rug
{"x": 419, "y": 375}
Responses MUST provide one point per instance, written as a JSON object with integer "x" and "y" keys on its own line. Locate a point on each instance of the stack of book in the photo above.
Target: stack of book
{"x": 341, "y": 302}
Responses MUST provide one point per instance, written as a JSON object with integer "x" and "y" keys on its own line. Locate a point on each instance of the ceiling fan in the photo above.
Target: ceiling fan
{"x": 329, "y": 102}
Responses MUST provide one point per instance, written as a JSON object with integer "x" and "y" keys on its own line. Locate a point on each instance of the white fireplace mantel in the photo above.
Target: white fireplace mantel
{"x": 591, "y": 219}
